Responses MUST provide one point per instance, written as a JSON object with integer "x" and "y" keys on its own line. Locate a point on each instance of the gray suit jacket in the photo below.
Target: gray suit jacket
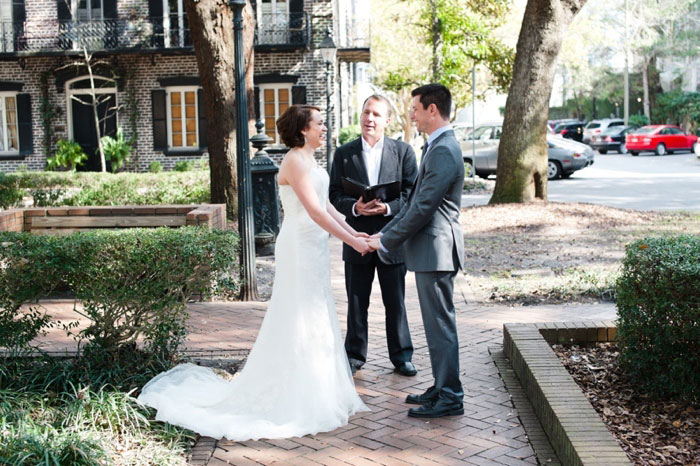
{"x": 429, "y": 222}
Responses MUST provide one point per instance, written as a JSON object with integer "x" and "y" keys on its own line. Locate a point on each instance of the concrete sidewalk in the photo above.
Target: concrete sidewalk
{"x": 489, "y": 433}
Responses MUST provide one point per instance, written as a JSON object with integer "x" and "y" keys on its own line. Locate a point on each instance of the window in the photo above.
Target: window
{"x": 183, "y": 128}
{"x": 272, "y": 21}
{"x": 274, "y": 100}
{"x": 9, "y": 139}
{"x": 89, "y": 10}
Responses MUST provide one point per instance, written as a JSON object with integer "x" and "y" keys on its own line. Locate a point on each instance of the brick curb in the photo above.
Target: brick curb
{"x": 573, "y": 427}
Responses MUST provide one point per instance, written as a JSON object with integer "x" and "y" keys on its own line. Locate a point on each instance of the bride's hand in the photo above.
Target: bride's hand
{"x": 360, "y": 234}
{"x": 360, "y": 245}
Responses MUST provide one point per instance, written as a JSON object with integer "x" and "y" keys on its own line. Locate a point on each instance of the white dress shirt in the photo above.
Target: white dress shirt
{"x": 372, "y": 155}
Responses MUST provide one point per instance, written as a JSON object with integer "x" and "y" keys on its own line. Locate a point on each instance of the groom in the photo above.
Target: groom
{"x": 429, "y": 226}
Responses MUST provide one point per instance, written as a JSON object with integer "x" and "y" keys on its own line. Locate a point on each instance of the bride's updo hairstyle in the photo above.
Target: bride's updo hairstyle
{"x": 290, "y": 124}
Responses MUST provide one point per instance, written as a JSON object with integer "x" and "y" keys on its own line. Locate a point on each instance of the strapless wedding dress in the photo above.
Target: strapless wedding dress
{"x": 296, "y": 380}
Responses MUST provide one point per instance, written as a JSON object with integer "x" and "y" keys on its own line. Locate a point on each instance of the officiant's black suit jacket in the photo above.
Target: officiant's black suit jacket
{"x": 398, "y": 164}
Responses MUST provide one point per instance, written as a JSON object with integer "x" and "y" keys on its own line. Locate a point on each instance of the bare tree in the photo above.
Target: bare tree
{"x": 211, "y": 29}
{"x": 522, "y": 152}
{"x": 96, "y": 100}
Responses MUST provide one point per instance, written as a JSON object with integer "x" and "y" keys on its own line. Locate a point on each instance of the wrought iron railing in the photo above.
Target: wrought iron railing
{"x": 94, "y": 35}
{"x": 282, "y": 29}
{"x": 142, "y": 33}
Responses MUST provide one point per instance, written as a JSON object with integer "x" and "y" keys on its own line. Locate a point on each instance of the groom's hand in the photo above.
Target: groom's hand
{"x": 374, "y": 243}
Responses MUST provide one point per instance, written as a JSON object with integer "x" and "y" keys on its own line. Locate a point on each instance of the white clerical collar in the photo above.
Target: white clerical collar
{"x": 378, "y": 146}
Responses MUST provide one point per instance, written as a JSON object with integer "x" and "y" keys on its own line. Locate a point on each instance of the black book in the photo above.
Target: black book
{"x": 384, "y": 191}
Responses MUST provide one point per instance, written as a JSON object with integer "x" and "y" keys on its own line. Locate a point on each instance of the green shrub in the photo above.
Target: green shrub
{"x": 116, "y": 149}
{"x": 32, "y": 266}
{"x": 155, "y": 167}
{"x": 183, "y": 166}
{"x": 658, "y": 301}
{"x": 349, "y": 133}
{"x": 132, "y": 283}
{"x": 638, "y": 120}
{"x": 69, "y": 155}
{"x": 80, "y": 188}
{"x": 10, "y": 192}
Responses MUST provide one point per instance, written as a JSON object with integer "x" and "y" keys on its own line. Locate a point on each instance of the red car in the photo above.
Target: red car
{"x": 662, "y": 139}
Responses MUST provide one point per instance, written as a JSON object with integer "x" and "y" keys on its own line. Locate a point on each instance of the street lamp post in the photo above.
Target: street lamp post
{"x": 328, "y": 49}
{"x": 246, "y": 221}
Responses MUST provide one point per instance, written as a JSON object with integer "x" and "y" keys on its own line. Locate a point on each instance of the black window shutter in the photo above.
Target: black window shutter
{"x": 155, "y": 8}
{"x": 155, "y": 14}
{"x": 64, "y": 13}
{"x": 19, "y": 13}
{"x": 299, "y": 95}
{"x": 24, "y": 121}
{"x": 202, "y": 119}
{"x": 110, "y": 9}
{"x": 160, "y": 120}
{"x": 256, "y": 103}
{"x": 296, "y": 20}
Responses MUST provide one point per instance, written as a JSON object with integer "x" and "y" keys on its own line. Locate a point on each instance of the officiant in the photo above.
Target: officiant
{"x": 374, "y": 159}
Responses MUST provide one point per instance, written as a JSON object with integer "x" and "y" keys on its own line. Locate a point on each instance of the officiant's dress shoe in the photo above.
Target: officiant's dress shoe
{"x": 429, "y": 395}
{"x": 441, "y": 407}
{"x": 407, "y": 368}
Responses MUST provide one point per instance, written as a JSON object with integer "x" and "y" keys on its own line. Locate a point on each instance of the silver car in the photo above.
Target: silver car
{"x": 564, "y": 155}
{"x": 596, "y": 127}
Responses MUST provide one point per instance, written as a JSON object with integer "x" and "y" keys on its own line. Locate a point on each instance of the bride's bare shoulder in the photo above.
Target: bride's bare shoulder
{"x": 292, "y": 165}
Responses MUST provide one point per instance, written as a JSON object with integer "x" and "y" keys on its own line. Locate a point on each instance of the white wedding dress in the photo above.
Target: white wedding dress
{"x": 296, "y": 380}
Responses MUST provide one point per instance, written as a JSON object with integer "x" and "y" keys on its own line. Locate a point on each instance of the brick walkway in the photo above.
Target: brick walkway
{"x": 489, "y": 433}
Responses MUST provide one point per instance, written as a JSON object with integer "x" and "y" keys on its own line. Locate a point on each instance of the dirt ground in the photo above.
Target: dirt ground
{"x": 651, "y": 432}
{"x": 544, "y": 252}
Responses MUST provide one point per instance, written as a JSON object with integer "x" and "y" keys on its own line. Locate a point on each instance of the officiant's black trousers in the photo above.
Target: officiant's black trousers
{"x": 358, "y": 283}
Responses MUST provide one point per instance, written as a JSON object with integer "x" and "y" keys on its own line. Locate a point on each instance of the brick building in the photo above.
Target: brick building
{"x": 146, "y": 75}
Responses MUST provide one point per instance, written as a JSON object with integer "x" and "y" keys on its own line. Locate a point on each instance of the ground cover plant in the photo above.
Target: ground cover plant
{"x": 42, "y": 189}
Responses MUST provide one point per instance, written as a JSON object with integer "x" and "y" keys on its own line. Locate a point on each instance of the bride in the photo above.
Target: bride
{"x": 297, "y": 379}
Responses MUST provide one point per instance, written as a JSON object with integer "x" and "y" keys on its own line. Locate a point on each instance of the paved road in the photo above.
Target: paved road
{"x": 645, "y": 182}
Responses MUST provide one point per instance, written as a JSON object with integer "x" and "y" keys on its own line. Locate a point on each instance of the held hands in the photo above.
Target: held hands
{"x": 364, "y": 243}
{"x": 373, "y": 207}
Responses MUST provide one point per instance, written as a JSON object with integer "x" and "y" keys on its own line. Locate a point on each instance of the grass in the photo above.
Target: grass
{"x": 82, "y": 411}
{"x": 559, "y": 286}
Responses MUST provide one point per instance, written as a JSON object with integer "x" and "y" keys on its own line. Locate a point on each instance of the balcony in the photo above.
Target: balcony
{"x": 66, "y": 37}
{"x": 282, "y": 31}
{"x": 274, "y": 32}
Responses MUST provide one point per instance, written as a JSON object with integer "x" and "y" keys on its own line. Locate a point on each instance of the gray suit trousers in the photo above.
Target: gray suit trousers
{"x": 435, "y": 297}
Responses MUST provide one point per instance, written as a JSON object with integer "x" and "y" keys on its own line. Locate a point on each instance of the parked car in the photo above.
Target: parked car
{"x": 612, "y": 138}
{"x": 570, "y": 130}
{"x": 564, "y": 156}
{"x": 662, "y": 139}
{"x": 595, "y": 127}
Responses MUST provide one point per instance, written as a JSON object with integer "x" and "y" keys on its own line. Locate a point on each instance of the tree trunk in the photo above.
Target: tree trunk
{"x": 645, "y": 85}
{"x": 522, "y": 152}
{"x": 211, "y": 28}
{"x": 435, "y": 40}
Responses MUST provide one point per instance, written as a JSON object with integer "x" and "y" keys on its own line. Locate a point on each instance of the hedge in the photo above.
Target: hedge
{"x": 658, "y": 305}
{"x": 48, "y": 189}
{"x": 132, "y": 283}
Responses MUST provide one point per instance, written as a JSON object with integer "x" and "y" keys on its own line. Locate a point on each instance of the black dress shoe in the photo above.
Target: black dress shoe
{"x": 441, "y": 407}
{"x": 407, "y": 368}
{"x": 429, "y": 395}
